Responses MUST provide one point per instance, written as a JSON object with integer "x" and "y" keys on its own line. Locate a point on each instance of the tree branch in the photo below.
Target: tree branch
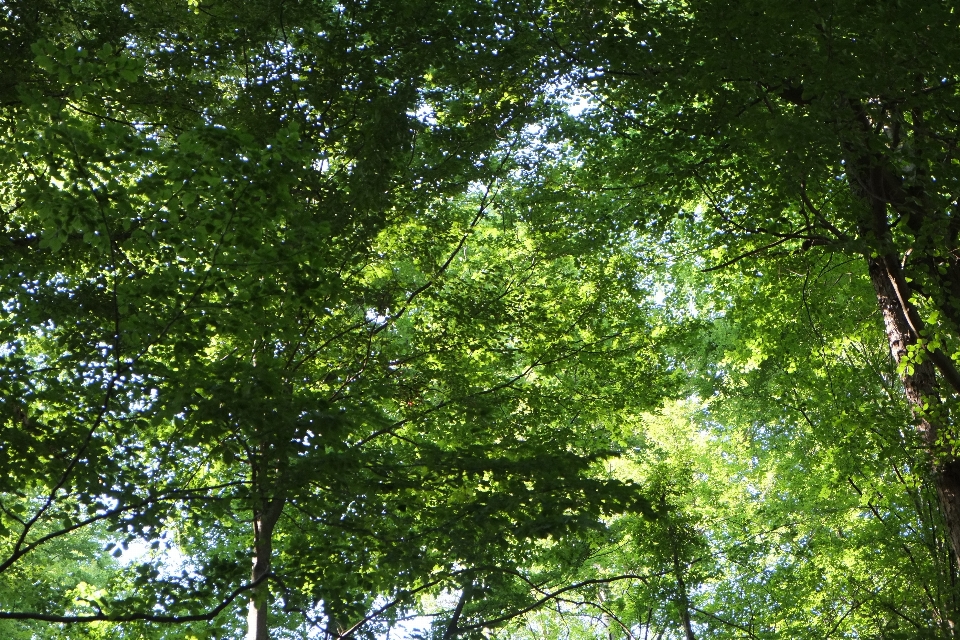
{"x": 135, "y": 617}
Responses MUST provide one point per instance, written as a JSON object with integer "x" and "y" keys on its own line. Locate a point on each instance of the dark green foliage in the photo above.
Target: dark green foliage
{"x": 256, "y": 257}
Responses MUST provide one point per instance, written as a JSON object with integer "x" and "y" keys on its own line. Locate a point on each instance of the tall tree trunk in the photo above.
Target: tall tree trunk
{"x": 903, "y": 325}
{"x": 872, "y": 179}
{"x": 453, "y": 629}
{"x": 683, "y": 600}
{"x": 258, "y": 608}
{"x": 920, "y": 383}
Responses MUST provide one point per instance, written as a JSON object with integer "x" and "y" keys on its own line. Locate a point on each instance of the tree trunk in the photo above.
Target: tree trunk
{"x": 453, "y": 629}
{"x": 872, "y": 180}
{"x": 258, "y": 608}
{"x": 683, "y": 600}
{"x": 920, "y": 384}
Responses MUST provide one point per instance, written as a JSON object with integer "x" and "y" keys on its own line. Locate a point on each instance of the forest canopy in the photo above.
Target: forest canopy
{"x": 479, "y": 319}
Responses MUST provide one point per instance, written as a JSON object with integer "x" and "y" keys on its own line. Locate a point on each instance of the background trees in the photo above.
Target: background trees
{"x": 351, "y": 288}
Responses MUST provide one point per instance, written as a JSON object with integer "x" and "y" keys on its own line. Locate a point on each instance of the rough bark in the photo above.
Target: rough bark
{"x": 903, "y": 331}
{"x": 264, "y": 521}
{"x": 921, "y": 387}
{"x": 873, "y": 179}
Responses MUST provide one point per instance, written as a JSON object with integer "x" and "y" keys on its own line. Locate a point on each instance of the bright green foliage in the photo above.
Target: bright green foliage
{"x": 769, "y": 155}
{"x": 791, "y": 491}
{"x": 68, "y": 573}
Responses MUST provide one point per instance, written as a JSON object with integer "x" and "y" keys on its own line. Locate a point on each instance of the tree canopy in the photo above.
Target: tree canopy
{"x": 547, "y": 320}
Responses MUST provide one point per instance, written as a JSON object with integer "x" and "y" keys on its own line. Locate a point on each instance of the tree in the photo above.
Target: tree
{"x": 803, "y": 128}
{"x": 350, "y": 288}
{"x": 787, "y": 482}
{"x": 286, "y": 307}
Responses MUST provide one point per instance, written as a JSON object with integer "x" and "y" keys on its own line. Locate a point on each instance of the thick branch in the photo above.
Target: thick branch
{"x": 133, "y": 617}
